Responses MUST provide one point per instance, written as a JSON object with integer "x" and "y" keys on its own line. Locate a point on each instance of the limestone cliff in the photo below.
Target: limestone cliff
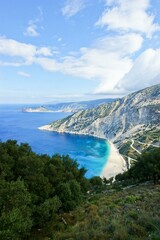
{"x": 117, "y": 120}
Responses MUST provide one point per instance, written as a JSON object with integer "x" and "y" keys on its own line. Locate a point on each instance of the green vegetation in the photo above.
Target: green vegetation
{"x": 150, "y": 135}
{"x": 44, "y": 198}
{"x": 129, "y": 214}
{"x": 120, "y": 211}
{"x": 34, "y": 189}
{"x": 147, "y": 139}
{"x": 146, "y": 168}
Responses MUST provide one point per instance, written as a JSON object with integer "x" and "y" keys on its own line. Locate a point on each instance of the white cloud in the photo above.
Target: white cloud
{"x": 106, "y": 61}
{"x": 45, "y": 51}
{"x": 31, "y": 30}
{"x": 72, "y": 7}
{"x": 144, "y": 73}
{"x": 33, "y": 25}
{"x": 48, "y": 64}
{"x": 121, "y": 44}
{"x": 128, "y": 15}
{"x": 24, "y": 74}
{"x": 111, "y": 65}
{"x": 25, "y": 53}
{"x": 14, "y": 48}
{"x": 109, "y": 62}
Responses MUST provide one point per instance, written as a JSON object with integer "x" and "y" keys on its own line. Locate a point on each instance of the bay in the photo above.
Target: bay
{"x": 90, "y": 152}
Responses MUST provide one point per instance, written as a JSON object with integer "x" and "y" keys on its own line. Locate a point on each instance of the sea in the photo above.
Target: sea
{"x": 90, "y": 152}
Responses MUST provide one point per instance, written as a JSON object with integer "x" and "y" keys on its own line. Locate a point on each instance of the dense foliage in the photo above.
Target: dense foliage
{"x": 43, "y": 197}
{"x": 146, "y": 168}
{"x": 34, "y": 188}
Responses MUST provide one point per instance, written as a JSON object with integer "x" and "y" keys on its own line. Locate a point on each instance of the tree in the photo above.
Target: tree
{"x": 96, "y": 181}
{"x": 46, "y": 211}
{"x": 76, "y": 193}
{"x": 15, "y": 212}
{"x": 146, "y": 168}
{"x": 33, "y": 188}
{"x": 65, "y": 195}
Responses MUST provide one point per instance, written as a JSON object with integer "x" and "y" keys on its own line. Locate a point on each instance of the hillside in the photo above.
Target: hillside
{"x": 137, "y": 113}
{"x": 130, "y": 214}
{"x": 43, "y": 197}
{"x": 68, "y": 106}
{"x": 37, "y": 109}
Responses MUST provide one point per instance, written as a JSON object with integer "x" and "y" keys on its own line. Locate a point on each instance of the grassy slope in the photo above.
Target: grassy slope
{"x": 132, "y": 213}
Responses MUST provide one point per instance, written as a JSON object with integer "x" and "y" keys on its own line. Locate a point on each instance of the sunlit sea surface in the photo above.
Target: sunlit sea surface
{"x": 90, "y": 152}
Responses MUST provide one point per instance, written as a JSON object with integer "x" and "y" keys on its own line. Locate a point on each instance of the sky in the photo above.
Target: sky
{"x": 71, "y": 50}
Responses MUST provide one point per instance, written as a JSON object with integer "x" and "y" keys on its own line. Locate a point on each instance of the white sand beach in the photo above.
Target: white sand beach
{"x": 115, "y": 163}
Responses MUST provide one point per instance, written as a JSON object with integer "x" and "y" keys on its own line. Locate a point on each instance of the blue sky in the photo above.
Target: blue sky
{"x": 72, "y": 50}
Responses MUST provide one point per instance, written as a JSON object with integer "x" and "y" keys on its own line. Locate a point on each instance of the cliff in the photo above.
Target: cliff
{"x": 117, "y": 120}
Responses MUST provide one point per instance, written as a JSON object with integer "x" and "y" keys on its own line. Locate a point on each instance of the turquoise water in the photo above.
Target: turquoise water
{"x": 90, "y": 152}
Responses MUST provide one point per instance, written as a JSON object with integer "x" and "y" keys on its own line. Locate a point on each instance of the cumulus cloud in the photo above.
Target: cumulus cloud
{"x": 98, "y": 62}
{"x": 121, "y": 44}
{"x": 144, "y": 72}
{"x": 127, "y": 15}
{"x": 14, "y": 48}
{"x": 25, "y": 53}
{"x": 106, "y": 61}
{"x": 72, "y": 7}
{"x": 109, "y": 61}
{"x": 24, "y": 74}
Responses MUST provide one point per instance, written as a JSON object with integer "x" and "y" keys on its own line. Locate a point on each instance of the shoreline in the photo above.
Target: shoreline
{"x": 115, "y": 163}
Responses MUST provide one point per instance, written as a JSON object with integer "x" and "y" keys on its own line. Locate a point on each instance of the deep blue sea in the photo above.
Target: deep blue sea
{"x": 89, "y": 152}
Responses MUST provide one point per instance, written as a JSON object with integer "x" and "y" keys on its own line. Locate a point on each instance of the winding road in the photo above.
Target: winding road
{"x": 134, "y": 147}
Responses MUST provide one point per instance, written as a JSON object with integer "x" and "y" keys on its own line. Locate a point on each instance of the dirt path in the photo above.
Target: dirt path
{"x": 134, "y": 147}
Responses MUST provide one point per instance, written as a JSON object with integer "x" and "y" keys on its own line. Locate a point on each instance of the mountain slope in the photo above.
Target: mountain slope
{"x": 117, "y": 120}
{"x": 69, "y": 106}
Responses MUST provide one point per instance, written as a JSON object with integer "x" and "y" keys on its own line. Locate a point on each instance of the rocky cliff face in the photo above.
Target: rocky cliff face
{"x": 117, "y": 120}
